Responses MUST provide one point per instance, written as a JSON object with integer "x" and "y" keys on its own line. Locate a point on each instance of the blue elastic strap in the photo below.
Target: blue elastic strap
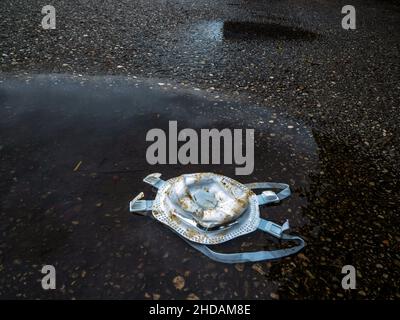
{"x": 155, "y": 180}
{"x": 270, "y": 196}
{"x": 265, "y": 226}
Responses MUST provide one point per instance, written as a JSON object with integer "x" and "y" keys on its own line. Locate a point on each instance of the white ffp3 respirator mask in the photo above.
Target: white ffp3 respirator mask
{"x": 207, "y": 208}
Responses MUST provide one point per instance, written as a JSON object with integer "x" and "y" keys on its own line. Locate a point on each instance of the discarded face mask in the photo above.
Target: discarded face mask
{"x": 207, "y": 208}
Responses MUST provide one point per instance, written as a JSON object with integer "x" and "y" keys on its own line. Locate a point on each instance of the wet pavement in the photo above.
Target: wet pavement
{"x": 232, "y": 64}
{"x": 79, "y": 220}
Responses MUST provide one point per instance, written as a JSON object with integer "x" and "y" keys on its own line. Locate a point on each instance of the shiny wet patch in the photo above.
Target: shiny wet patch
{"x": 238, "y": 30}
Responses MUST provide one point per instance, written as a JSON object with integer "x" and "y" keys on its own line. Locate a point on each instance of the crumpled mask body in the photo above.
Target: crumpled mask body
{"x": 210, "y": 200}
{"x": 207, "y": 208}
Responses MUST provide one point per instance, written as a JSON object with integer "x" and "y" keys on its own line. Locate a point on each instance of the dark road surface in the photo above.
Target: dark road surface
{"x": 323, "y": 101}
{"x": 79, "y": 221}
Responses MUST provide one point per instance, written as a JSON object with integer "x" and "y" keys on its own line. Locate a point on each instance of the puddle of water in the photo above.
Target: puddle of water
{"x": 262, "y": 31}
{"x": 218, "y": 31}
{"x": 212, "y": 30}
{"x": 79, "y": 222}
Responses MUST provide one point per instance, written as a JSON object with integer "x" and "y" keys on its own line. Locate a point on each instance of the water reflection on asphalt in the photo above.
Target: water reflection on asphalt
{"x": 78, "y": 220}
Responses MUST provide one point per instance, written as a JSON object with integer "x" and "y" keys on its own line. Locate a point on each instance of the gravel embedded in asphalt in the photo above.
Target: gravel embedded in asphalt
{"x": 342, "y": 84}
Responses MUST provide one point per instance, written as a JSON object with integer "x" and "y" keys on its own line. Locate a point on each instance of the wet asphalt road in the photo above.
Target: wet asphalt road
{"x": 79, "y": 220}
{"x": 341, "y": 86}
